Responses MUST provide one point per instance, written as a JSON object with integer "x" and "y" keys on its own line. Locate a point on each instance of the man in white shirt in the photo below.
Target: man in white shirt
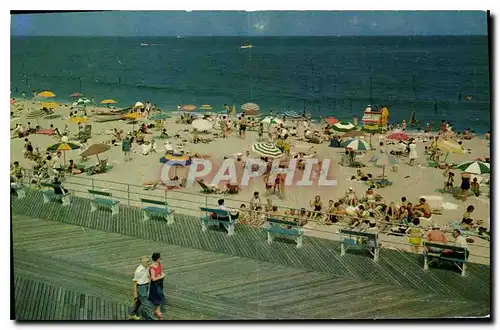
{"x": 140, "y": 290}
{"x": 460, "y": 241}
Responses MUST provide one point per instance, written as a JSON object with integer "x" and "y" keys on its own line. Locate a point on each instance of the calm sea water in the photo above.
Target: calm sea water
{"x": 328, "y": 76}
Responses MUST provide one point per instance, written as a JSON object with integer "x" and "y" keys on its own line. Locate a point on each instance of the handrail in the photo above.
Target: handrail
{"x": 131, "y": 198}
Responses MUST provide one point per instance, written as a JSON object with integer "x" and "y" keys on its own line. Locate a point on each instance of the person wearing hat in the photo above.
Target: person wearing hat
{"x": 350, "y": 197}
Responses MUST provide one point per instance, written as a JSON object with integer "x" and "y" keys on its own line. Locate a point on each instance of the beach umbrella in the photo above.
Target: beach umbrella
{"x": 108, "y": 101}
{"x": 82, "y": 101}
{"x": 343, "y": 126}
{"x": 75, "y": 95}
{"x": 79, "y": 120}
{"x": 176, "y": 160}
{"x": 201, "y": 125}
{"x": 46, "y": 94}
{"x": 398, "y": 136}
{"x": 267, "y": 149}
{"x": 49, "y": 105}
{"x": 250, "y": 107}
{"x": 63, "y": 146}
{"x": 353, "y": 134}
{"x": 188, "y": 107}
{"x": 331, "y": 120}
{"x": 386, "y": 160}
{"x": 474, "y": 167}
{"x": 292, "y": 114}
{"x": 95, "y": 149}
{"x": 46, "y": 132}
{"x": 271, "y": 120}
{"x": 159, "y": 116}
{"x": 450, "y": 147}
{"x": 139, "y": 105}
{"x": 12, "y": 101}
{"x": 133, "y": 117}
{"x": 36, "y": 114}
{"x": 205, "y": 107}
{"x": 356, "y": 144}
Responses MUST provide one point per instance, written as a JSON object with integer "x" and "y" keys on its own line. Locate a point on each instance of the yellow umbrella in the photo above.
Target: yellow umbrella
{"x": 49, "y": 105}
{"x": 233, "y": 113}
{"x": 79, "y": 119}
{"x": 46, "y": 94}
{"x": 450, "y": 146}
{"x": 108, "y": 101}
{"x": 133, "y": 116}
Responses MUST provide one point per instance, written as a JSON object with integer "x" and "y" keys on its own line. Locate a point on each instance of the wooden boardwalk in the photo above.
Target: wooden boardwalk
{"x": 67, "y": 252}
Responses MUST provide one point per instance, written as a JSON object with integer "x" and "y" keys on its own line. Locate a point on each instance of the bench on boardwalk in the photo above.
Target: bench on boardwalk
{"x": 359, "y": 239}
{"x": 103, "y": 199}
{"x": 457, "y": 255}
{"x": 19, "y": 189}
{"x": 49, "y": 195}
{"x": 284, "y": 228}
{"x": 217, "y": 217}
{"x": 164, "y": 211}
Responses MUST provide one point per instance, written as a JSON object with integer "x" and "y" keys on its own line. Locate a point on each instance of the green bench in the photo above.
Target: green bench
{"x": 434, "y": 252}
{"x": 282, "y": 228}
{"x": 216, "y": 217}
{"x": 164, "y": 211}
{"x": 19, "y": 189}
{"x": 98, "y": 198}
{"x": 49, "y": 195}
{"x": 359, "y": 239}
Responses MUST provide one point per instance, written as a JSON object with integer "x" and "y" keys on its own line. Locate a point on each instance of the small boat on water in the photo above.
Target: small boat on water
{"x": 246, "y": 45}
{"x": 144, "y": 44}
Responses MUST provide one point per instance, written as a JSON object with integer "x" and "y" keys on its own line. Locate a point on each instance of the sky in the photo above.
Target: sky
{"x": 237, "y": 23}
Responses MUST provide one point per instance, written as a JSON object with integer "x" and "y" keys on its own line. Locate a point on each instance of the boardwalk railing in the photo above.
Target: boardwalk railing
{"x": 189, "y": 203}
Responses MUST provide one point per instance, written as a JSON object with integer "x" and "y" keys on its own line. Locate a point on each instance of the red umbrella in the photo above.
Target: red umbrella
{"x": 12, "y": 101}
{"x": 399, "y": 136}
{"x": 75, "y": 95}
{"x": 331, "y": 120}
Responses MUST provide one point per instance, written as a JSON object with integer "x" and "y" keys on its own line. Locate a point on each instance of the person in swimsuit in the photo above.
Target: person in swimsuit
{"x": 422, "y": 209}
{"x": 316, "y": 205}
{"x": 156, "y": 294}
{"x": 415, "y": 235}
{"x": 464, "y": 186}
{"x": 475, "y": 187}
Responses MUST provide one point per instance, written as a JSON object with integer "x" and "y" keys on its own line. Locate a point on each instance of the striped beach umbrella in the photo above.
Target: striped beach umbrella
{"x": 267, "y": 149}
{"x": 343, "y": 126}
{"x": 356, "y": 144}
{"x": 250, "y": 107}
{"x": 36, "y": 114}
{"x": 63, "y": 146}
{"x": 173, "y": 160}
{"x": 474, "y": 167}
{"x": 292, "y": 114}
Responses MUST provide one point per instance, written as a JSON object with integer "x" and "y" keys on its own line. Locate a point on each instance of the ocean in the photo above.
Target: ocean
{"x": 439, "y": 77}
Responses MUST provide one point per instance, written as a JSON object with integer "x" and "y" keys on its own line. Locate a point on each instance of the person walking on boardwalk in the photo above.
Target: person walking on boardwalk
{"x": 143, "y": 308}
{"x": 157, "y": 276}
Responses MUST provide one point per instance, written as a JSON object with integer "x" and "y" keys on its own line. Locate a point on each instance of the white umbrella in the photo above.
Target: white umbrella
{"x": 202, "y": 125}
{"x": 250, "y": 107}
{"x": 139, "y": 105}
{"x": 267, "y": 149}
{"x": 343, "y": 126}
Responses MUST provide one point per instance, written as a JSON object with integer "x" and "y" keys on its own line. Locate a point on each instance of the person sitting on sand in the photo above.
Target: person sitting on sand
{"x": 369, "y": 195}
{"x": 164, "y": 134}
{"x": 350, "y": 197}
{"x": 139, "y": 138}
{"x": 392, "y": 211}
{"x": 361, "y": 176}
{"x": 244, "y": 215}
{"x": 316, "y": 206}
{"x": 403, "y": 215}
{"x": 72, "y": 168}
{"x": 422, "y": 209}
{"x": 467, "y": 221}
{"x": 474, "y": 187}
{"x": 360, "y": 215}
{"x": 16, "y": 172}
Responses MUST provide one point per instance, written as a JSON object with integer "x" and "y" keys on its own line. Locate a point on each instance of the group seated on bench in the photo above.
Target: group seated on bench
{"x": 284, "y": 228}
{"x": 437, "y": 252}
{"x": 164, "y": 212}
{"x": 56, "y": 192}
{"x": 360, "y": 239}
{"x": 98, "y": 199}
{"x": 218, "y": 216}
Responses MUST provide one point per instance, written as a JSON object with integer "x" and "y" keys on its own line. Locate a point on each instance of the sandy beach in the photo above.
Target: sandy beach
{"x": 411, "y": 182}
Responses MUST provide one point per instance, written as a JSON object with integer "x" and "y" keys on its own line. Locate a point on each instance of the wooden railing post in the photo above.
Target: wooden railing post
{"x": 128, "y": 194}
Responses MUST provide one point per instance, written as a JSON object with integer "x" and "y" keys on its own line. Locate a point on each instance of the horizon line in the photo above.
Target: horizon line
{"x": 259, "y": 36}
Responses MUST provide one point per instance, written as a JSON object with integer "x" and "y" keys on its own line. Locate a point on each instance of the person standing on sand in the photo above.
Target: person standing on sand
{"x": 126, "y": 145}
{"x": 413, "y": 152}
{"x": 140, "y": 292}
